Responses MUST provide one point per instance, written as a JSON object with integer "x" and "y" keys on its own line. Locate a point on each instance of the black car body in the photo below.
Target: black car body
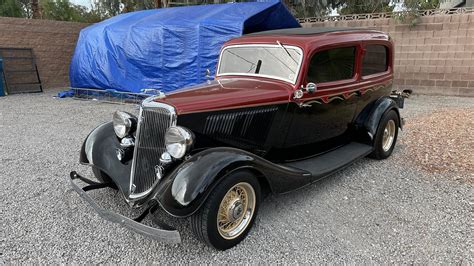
{"x": 286, "y": 108}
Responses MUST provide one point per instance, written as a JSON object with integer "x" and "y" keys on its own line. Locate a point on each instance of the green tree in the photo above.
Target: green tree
{"x": 26, "y": 7}
{"x": 11, "y": 8}
{"x": 103, "y": 9}
{"x": 110, "y": 8}
{"x": 421, "y": 4}
{"x": 66, "y": 11}
{"x": 30, "y": 8}
{"x": 411, "y": 15}
{"x": 107, "y": 8}
{"x": 309, "y": 8}
{"x": 319, "y": 8}
{"x": 35, "y": 9}
{"x": 365, "y": 6}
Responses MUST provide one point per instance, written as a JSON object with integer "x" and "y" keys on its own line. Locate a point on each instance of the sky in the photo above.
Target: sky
{"x": 81, "y": 2}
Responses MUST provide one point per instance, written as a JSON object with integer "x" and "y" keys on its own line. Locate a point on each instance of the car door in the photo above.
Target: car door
{"x": 321, "y": 119}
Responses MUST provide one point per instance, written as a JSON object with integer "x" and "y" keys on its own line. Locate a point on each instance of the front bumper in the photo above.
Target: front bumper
{"x": 167, "y": 235}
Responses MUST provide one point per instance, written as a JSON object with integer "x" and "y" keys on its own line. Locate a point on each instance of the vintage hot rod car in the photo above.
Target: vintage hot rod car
{"x": 286, "y": 108}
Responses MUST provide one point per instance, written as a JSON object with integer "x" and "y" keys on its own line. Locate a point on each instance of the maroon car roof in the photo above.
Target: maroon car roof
{"x": 307, "y": 31}
{"x": 311, "y": 38}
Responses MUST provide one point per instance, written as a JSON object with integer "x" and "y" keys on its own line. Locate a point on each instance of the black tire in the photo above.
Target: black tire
{"x": 379, "y": 152}
{"x": 204, "y": 223}
{"x": 103, "y": 177}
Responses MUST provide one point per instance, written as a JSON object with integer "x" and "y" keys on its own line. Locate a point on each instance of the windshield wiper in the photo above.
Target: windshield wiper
{"x": 259, "y": 65}
{"x": 286, "y": 50}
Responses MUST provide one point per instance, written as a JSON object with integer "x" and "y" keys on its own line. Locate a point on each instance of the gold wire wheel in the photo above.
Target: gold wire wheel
{"x": 388, "y": 135}
{"x": 236, "y": 210}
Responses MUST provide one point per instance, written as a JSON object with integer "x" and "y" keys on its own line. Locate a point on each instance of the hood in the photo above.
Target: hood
{"x": 228, "y": 94}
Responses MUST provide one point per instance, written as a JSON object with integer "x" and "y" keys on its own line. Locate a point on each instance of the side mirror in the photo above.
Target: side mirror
{"x": 311, "y": 88}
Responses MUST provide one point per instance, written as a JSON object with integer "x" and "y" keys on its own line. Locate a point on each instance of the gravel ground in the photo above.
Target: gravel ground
{"x": 391, "y": 211}
{"x": 442, "y": 142}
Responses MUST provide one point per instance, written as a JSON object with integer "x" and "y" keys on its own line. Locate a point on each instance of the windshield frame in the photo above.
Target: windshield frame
{"x": 292, "y": 81}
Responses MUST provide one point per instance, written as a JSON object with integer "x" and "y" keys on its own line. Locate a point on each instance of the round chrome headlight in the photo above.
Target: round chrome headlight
{"x": 178, "y": 141}
{"x": 124, "y": 124}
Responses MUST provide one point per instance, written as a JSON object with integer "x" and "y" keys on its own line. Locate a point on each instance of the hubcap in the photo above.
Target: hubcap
{"x": 388, "y": 135}
{"x": 236, "y": 210}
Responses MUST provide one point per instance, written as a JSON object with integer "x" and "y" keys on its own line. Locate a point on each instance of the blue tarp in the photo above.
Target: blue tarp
{"x": 168, "y": 48}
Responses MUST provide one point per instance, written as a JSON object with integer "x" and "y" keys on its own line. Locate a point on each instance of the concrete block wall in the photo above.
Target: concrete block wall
{"x": 434, "y": 57}
{"x": 53, "y": 44}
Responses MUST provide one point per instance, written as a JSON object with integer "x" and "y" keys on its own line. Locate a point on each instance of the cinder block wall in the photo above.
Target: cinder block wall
{"x": 53, "y": 44}
{"x": 434, "y": 57}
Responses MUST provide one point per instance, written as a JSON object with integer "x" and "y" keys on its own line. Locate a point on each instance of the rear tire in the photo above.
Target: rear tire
{"x": 103, "y": 177}
{"x": 386, "y": 136}
{"x": 229, "y": 212}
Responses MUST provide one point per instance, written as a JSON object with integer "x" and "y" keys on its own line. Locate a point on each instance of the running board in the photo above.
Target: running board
{"x": 330, "y": 162}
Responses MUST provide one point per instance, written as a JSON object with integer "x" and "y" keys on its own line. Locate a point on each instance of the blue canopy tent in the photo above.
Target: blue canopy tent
{"x": 166, "y": 49}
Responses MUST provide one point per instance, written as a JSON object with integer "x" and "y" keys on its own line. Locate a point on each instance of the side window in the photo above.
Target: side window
{"x": 331, "y": 65}
{"x": 375, "y": 60}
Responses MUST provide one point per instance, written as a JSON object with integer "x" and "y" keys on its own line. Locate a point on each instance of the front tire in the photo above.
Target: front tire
{"x": 386, "y": 136}
{"x": 229, "y": 212}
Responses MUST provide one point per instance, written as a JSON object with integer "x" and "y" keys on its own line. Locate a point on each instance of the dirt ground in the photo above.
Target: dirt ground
{"x": 443, "y": 141}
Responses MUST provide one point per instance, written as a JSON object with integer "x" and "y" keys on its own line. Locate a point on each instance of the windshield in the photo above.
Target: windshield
{"x": 273, "y": 61}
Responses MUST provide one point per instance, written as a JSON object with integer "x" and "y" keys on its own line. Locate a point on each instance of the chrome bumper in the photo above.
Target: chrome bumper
{"x": 168, "y": 236}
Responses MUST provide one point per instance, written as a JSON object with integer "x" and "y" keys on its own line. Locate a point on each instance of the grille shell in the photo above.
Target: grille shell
{"x": 153, "y": 122}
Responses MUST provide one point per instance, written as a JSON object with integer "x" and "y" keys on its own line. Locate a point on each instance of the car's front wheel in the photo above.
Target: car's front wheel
{"x": 386, "y": 136}
{"x": 229, "y": 212}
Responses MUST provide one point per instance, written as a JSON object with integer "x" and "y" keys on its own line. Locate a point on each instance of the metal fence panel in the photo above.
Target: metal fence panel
{"x": 21, "y": 72}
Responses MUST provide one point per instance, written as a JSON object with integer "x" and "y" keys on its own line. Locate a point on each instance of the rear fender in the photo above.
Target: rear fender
{"x": 370, "y": 117}
{"x": 184, "y": 190}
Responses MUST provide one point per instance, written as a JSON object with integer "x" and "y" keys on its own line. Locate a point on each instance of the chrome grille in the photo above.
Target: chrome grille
{"x": 155, "y": 119}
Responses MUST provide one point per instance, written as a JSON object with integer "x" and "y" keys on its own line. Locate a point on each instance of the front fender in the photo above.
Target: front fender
{"x": 185, "y": 189}
{"x": 99, "y": 150}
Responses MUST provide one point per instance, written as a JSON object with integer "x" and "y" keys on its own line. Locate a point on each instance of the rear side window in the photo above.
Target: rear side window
{"x": 375, "y": 60}
{"x": 332, "y": 65}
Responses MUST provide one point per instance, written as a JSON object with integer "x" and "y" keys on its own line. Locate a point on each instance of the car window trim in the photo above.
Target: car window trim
{"x": 293, "y": 82}
{"x": 328, "y": 85}
{"x": 375, "y": 75}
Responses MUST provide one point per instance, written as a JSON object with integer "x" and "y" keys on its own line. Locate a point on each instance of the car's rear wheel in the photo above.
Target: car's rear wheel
{"x": 386, "y": 136}
{"x": 103, "y": 177}
{"x": 229, "y": 213}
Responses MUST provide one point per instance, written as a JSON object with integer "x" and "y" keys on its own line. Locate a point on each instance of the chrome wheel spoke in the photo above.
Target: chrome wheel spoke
{"x": 236, "y": 210}
{"x": 388, "y": 135}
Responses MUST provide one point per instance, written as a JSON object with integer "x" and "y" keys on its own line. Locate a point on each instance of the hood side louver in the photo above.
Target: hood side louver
{"x": 247, "y": 127}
